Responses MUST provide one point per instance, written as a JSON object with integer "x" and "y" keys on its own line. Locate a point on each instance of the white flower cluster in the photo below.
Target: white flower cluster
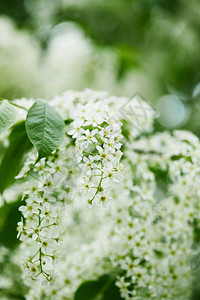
{"x": 47, "y": 189}
{"x": 145, "y": 239}
{"x": 98, "y": 135}
{"x": 159, "y": 227}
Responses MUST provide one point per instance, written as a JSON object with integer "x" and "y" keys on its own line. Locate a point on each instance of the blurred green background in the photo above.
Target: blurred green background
{"x": 123, "y": 46}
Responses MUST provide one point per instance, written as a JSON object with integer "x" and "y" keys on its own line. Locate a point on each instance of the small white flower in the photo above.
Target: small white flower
{"x": 103, "y": 154}
{"x": 47, "y": 213}
{"x": 77, "y": 128}
{"x": 88, "y": 137}
{"x": 30, "y": 209}
{"x": 20, "y": 228}
{"x": 31, "y": 271}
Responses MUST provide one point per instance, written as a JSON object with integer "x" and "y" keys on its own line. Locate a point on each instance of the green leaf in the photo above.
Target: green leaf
{"x": 68, "y": 121}
{"x": 45, "y": 128}
{"x": 102, "y": 289}
{"x": 7, "y": 116}
{"x": 12, "y": 160}
{"x": 9, "y": 216}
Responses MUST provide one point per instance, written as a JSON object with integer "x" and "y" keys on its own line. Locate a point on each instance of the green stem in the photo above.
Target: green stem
{"x": 140, "y": 151}
{"x": 98, "y": 188}
{"x": 48, "y": 226}
{"x": 33, "y": 262}
{"x": 40, "y": 259}
{"x": 33, "y": 176}
{"x": 14, "y": 104}
{"x": 19, "y": 106}
{"x": 34, "y": 255}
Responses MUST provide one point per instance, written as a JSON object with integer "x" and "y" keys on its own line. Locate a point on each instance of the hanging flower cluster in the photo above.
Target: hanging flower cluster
{"x": 48, "y": 188}
{"x": 98, "y": 135}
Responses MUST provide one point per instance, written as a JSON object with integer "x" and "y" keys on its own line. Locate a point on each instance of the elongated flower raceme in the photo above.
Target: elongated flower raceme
{"x": 98, "y": 142}
{"x": 40, "y": 229}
